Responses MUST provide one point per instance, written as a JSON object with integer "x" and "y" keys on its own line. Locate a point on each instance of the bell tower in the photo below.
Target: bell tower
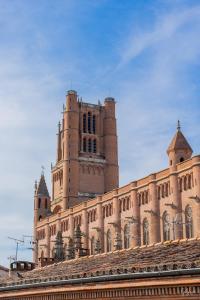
{"x": 87, "y": 158}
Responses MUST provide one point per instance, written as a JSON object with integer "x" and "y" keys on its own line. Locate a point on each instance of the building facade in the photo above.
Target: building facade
{"x": 86, "y": 198}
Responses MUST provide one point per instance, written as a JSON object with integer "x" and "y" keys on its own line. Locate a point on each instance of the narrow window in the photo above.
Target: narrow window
{"x": 189, "y": 182}
{"x": 180, "y": 185}
{"x": 89, "y": 122}
{"x": 84, "y": 123}
{"x": 163, "y": 191}
{"x": 159, "y": 193}
{"x": 185, "y": 183}
{"x": 142, "y": 197}
{"x": 39, "y": 203}
{"x": 89, "y": 145}
{"x": 84, "y": 145}
{"x": 46, "y": 203}
{"x": 94, "y": 146}
{"x": 94, "y": 124}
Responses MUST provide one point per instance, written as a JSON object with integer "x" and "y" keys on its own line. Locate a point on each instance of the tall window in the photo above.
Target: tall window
{"x": 89, "y": 122}
{"x": 39, "y": 203}
{"x": 109, "y": 241}
{"x": 166, "y": 226}
{"x": 94, "y": 124}
{"x": 84, "y": 145}
{"x": 188, "y": 222}
{"x": 145, "y": 232}
{"x": 126, "y": 236}
{"x": 89, "y": 145}
{"x": 84, "y": 123}
{"x": 94, "y": 146}
{"x": 92, "y": 246}
{"x": 46, "y": 203}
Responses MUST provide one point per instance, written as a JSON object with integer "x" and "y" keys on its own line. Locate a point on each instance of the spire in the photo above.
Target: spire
{"x": 179, "y": 148}
{"x": 179, "y": 126}
{"x": 42, "y": 187}
{"x": 179, "y": 142}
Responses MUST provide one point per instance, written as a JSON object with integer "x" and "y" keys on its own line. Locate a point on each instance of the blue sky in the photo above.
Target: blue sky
{"x": 146, "y": 54}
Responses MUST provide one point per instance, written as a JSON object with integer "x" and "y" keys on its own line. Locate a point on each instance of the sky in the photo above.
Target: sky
{"x": 144, "y": 53}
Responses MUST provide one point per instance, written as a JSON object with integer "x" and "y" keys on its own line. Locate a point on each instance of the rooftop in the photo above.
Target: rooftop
{"x": 174, "y": 255}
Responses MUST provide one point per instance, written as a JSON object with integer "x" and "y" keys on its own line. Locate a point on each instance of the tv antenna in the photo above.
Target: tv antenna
{"x": 32, "y": 242}
{"x": 17, "y": 245}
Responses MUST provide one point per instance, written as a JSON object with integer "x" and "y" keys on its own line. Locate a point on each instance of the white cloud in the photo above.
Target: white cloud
{"x": 165, "y": 28}
{"x": 157, "y": 90}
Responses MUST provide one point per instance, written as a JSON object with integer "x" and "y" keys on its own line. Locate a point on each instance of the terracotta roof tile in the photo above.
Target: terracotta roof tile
{"x": 182, "y": 254}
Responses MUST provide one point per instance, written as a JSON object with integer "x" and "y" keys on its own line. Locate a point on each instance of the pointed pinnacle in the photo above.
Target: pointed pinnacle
{"x": 178, "y": 126}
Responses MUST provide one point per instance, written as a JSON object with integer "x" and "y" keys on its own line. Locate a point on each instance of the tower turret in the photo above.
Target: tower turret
{"x": 110, "y": 146}
{"x": 179, "y": 148}
{"x": 71, "y": 150}
{"x": 42, "y": 199}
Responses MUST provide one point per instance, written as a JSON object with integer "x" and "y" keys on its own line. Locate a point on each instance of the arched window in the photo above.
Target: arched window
{"x": 92, "y": 249}
{"x": 109, "y": 241}
{"x": 166, "y": 226}
{"x": 188, "y": 222}
{"x": 94, "y": 124}
{"x": 126, "y": 236}
{"x": 89, "y": 145}
{"x": 84, "y": 123}
{"x": 94, "y": 146}
{"x": 39, "y": 203}
{"x": 145, "y": 232}
{"x": 89, "y": 122}
{"x": 84, "y": 145}
{"x": 181, "y": 159}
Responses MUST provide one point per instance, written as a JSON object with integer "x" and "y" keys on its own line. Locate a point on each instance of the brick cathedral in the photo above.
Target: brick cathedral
{"x": 85, "y": 194}
{"x": 96, "y": 240}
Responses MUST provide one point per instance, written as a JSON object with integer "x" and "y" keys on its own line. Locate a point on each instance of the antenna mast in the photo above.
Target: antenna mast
{"x": 17, "y": 245}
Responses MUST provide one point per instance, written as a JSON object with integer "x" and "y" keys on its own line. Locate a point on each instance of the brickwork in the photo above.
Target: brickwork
{"x": 161, "y": 207}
